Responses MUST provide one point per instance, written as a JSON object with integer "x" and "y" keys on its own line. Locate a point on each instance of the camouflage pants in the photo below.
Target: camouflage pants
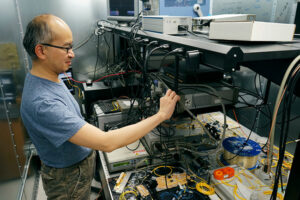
{"x": 72, "y": 182}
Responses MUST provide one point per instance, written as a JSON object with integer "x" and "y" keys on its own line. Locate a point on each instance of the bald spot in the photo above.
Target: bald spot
{"x": 59, "y": 28}
{"x": 56, "y": 25}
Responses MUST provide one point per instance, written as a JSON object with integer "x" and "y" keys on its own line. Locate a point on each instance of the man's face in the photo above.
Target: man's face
{"x": 59, "y": 52}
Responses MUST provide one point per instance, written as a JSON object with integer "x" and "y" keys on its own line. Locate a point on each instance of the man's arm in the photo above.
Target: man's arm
{"x": 92, "y": 137}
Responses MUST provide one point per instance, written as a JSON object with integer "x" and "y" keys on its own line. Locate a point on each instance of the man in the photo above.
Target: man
{"x": 64, "y": 141}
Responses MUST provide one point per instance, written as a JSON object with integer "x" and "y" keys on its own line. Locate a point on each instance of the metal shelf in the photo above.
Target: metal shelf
{"x": 225, "y": 55}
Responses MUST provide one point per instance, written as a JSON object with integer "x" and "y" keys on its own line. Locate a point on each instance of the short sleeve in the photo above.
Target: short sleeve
{"x": 57, "y": 123}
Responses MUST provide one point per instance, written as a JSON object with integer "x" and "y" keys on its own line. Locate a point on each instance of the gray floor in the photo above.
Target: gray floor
{"x": 9, "y": 189}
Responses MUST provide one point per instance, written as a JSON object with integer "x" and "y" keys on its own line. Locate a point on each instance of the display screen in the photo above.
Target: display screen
{"x": 66, "y": 77}
{"x": 121, "y": 164}
{"x": 121, "y": 7}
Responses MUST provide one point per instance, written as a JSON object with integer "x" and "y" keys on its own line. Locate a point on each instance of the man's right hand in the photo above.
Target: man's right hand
{"x": 167, "y": 104}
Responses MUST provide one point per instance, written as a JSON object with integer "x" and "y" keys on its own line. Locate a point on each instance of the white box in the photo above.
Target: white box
{"x": 228, "y": 17}
{"x": 167, "y": 24}
{"x": 251, "y": 31}
{"x": 127, "y": 158}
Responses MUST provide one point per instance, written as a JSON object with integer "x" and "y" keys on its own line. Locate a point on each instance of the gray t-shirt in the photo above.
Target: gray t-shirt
{"x": 52, "y": 116}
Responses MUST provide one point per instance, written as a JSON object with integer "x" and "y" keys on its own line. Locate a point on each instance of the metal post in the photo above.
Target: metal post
{"x": 30, "y": 151}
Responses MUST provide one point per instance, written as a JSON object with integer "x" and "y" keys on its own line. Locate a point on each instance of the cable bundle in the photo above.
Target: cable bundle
{"x": 286, "y": 88}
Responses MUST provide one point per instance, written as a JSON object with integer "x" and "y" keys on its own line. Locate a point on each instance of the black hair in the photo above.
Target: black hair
{"x": 37, "y": 31}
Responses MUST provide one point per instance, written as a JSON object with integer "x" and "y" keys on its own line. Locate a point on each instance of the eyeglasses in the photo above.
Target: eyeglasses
{"x": 59, "y": 47}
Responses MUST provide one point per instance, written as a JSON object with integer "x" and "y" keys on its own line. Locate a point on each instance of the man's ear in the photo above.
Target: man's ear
{"x": 39, "y": 51}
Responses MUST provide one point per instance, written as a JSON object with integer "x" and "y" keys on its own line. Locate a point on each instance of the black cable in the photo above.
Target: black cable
{"x": 249, "y": 104}
{"x": 258, "y": 93}
{"x": 130, "y": 120}
{"x": 165, "y": 161}
{"x": 243, "y": 90}
{"x": 154, "y": 42}
{"x": 262, "y": 126}
{"x": 202, "y": 35}
{"x": 289, "y": 105}
{"x": 280, "y": 122}
{"x": 259, "y": 80}
{"x": 111, "y": 88}
{"x": 255, "y": 86}
{"x": 146, "y": 85}
{"x": 164, "y": 46}
{"x": 135, "y": 27}
{"x": 177, "y": 50}
{"x": 204, "y": 24}
{"x": 162, "y": 131}
{"x": 145, "y": 101}
{"x": 138, "y": 17}
{"x": 245, "y": 143}
{"x": 284, "y": 129}
{"x": 83, "y": 42}
{"x": 265, "y": 145}
{"x": 132, "y": 101}
{"x": 108, "y": 50}
{"x": 97, "y": 55}
{"x": 135, "y": 147}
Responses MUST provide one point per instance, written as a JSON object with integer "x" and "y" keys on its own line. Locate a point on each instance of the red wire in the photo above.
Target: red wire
{"x": 238, "y": 122}
{"x": 117, "y": 74}
{"x": 75, "y": 80}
